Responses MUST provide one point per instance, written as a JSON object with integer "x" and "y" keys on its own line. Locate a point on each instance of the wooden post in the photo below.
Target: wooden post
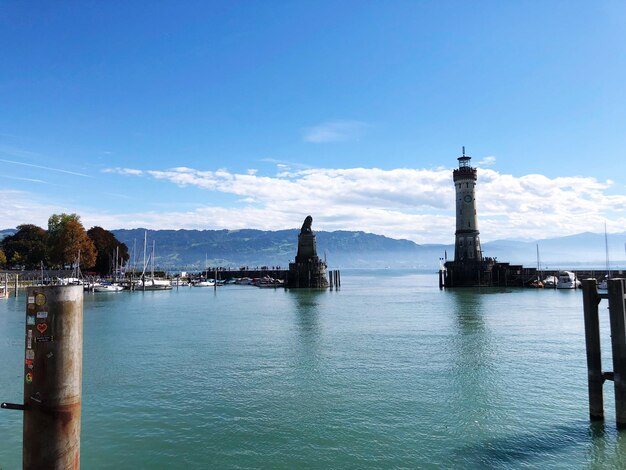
{"x": 215, "y": 284}
{"x": 592, "y": 342}
{"x": 330, "y": 279}
{"x": 52, "y": 377}
{"x": 17, "y": 276}
{"x": 618, "y": 343}
{"x": 441, "y": 279}
{"x": 339, "y": 278}
{"x": 6, "y": 284}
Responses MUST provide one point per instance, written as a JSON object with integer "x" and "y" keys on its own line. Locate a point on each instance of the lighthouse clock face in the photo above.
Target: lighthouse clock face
{"x": 467, "y": 198}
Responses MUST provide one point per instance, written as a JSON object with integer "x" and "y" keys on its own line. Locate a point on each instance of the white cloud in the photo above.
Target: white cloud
{"x": 334, "y": 131}
{"x": 416, "y": 204}
{"x": 487, "y": 161}
{"x": 123, "y": 171}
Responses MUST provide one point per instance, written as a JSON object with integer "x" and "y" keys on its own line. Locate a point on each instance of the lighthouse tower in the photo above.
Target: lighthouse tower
{"x": 467, "y": 247}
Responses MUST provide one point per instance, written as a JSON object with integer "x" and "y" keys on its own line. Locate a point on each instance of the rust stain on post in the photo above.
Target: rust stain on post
{"x": 53, "y": 377}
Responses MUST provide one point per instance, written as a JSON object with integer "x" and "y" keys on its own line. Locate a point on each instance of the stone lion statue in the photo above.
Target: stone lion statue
{"x": 306, "y": 226}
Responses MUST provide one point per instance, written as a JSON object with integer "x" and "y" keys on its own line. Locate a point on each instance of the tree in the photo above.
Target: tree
{"x": 27, "y": 246}
{"x": 3, "y": 259}
{"x": 107, "y": 246}
{"x": 69, "y": 239}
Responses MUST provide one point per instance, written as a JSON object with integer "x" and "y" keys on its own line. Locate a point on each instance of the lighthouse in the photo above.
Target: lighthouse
{"x": 470, "y": 268}
{"x": 467, "y": 244}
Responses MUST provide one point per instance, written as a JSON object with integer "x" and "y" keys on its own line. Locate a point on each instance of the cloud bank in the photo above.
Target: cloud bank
{"x": 416, "y": 204}
{"x": 401, "y": 203}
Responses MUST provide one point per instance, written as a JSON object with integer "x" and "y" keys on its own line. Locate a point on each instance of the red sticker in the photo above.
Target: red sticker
{"x": 42, "y": 327}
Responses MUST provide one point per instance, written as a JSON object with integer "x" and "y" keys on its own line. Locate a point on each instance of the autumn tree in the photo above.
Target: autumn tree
{"x": 3, "y": 259}
{"x": 68, "y": 240}
{"x": 27, "y": 246}
{"x": 107, "y": 247}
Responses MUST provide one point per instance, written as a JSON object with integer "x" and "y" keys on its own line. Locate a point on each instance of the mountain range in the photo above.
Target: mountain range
{"x": 196, "y": 249}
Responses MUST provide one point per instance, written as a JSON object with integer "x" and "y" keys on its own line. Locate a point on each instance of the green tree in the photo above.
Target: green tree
{"x": 107, "y": 247}
{"x": 68, "y": 239}
{"x": 27, "y": 246}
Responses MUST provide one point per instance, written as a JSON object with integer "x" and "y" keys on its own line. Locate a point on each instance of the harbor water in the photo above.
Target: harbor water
{"x": 386, "y": 372}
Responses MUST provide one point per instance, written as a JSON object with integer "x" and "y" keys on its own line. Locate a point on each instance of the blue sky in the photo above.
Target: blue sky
{"x": 212, "y": 115}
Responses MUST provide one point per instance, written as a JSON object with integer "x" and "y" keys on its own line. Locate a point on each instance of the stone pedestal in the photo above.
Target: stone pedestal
{"x": 307, "y": 270}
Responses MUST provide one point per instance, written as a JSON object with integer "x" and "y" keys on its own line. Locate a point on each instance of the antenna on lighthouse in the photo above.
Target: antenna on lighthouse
{"x": 464, "y": 150}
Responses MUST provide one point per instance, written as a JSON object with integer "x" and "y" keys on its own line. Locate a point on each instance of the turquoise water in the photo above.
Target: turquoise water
{"x": 388, "y": 372}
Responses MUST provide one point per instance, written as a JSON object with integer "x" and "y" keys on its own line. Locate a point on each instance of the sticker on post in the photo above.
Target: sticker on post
{"x": 30, "y": 354}
{"x": 30, "y": 320}
{"x": 43, "y": 315}
{"x": 42, "y": 327}
{"x": 44, "y": 339}
{"x": 29, "y": 363}
{"x": 29, "y": 377}
{"x": 29, "y": 340}
{"x": 40, "y": 299}
{"x": 31, "y": 299}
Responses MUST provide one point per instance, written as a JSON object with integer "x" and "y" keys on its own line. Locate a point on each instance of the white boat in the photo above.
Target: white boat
{"x": 108, "y": 288}
{"x": 550, "y": 281}
{"x": 603, "y": 284}
{"x": 155, "y": 284}
{"x": 567, "y": 280}
{"x": 151, "y": 283}
{"x": 206, "y": 283}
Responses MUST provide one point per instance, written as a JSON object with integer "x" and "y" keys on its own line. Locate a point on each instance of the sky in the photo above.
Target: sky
{"x": 255, "y": 114}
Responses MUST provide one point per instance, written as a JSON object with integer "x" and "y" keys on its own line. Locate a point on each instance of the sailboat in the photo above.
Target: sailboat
{"x": 205, "y": 281}
{"x": 150, "y": 283}
{"x": 538, "y": 283}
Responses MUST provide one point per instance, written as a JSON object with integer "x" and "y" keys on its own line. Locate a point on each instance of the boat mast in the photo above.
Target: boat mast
{"x": 152, "y": 263}
{"x": 606, "y": 247}
{"x": 538, "y": 264}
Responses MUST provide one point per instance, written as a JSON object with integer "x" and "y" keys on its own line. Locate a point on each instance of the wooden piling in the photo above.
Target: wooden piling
{"x": 330, "y": 279}
{"x": 17, "y": 277}
{"x": 618, "y": 342}
{"x": 52, "y": 377}
{"x": 336, "y": 279}
{"x": 592, "y": 342}
{"x": 339, "y": 278}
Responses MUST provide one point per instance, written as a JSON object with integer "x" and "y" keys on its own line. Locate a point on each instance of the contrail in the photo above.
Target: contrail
{"x": 46, "y": 168}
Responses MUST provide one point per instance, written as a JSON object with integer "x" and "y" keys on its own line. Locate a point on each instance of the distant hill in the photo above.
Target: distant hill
{"x": 583, "y": 248}
{"x": 7, "y": 232}
{"x": 194, "y": 249}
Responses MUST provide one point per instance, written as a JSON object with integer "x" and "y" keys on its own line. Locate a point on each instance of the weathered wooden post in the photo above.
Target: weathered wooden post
{"x": 330, "y": 279}
{"x": 17, "y": 276}
{"x": 592, "y": 342}
{"x": 52, "y": 377}
{"x": 336, "y": 279}
{"x": 215, "y": 284}
{"x": 618, "y": 342}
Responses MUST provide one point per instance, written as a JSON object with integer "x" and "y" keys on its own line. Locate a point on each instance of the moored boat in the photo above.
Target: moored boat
{"x": 108, "y": 287}
{"x": 567, "y": 280}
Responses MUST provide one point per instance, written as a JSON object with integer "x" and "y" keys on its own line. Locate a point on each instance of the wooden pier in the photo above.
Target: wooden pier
{"x": 596, "y": 376}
